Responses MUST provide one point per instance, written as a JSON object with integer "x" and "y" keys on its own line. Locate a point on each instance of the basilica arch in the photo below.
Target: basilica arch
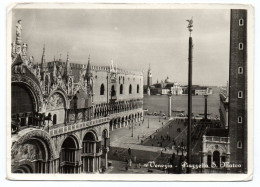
{"x": 91, "y": 152}
{"x": 33, "y": 152}
{"x": 32, "y": 86}
{"x": 70, "y": 155}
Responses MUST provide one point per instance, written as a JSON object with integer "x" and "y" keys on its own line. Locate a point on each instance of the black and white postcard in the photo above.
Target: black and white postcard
{"x": 139, "y": 92}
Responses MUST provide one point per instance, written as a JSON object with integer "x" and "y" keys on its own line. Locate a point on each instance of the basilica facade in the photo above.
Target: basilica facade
{"x": 62, "y": 112}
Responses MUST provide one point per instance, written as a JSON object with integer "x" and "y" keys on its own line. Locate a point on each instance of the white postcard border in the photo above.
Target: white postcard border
{"x": 137, "y": 177}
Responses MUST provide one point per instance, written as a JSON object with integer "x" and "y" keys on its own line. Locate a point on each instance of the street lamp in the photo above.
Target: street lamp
{"x": 182, "y": 147}
{"x": 132, "y": 129}
{"x": 148, "y": 122}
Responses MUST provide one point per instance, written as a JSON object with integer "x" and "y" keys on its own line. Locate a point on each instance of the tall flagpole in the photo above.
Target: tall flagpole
{"x": 190, "y": 28}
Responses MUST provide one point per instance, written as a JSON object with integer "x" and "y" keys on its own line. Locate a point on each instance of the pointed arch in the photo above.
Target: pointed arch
{"x": 54, "y": 120}
{"x": 216, "y": 158}
{"x": 113, "y": 91}
{"x": 121, "y": 89}
{"x": 102, "y": 89}
{"x": 130, "y": 89}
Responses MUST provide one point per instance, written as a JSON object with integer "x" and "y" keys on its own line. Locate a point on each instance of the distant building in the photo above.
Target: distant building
{"x": 149, "y": 77}
{"x": 164, "y": 91}
{"x": 175, "y": 88}
{"x": 203, "y": 91}
{"x": 198, "y": 90}
{"x": 148, "y": 91}
{"x": 164, "y": 87}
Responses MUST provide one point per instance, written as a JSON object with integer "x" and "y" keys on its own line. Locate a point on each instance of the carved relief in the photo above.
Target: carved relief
{"x": 22, "y": 147}
{"x": 46, "y": 86}
{"x": 214, "y": 147}
{"x": 56, "y": 101}
{"x": 24, "y": 49}
{"x": 30, "y": 151}
{"x": 70, "y": 86}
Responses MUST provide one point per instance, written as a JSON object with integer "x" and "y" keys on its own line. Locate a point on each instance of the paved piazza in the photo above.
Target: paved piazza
{"x": 123, "y": 137}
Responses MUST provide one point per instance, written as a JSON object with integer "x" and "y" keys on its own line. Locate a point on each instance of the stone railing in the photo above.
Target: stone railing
{"x": 217, "y": 139}
{"x": 77, "y": 126}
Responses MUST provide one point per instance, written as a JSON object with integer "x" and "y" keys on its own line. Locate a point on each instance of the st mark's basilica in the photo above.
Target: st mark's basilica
{"x": 62, "y": 112}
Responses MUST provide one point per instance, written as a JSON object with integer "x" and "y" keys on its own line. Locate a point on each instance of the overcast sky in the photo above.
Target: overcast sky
{"x": 133, "y": 39}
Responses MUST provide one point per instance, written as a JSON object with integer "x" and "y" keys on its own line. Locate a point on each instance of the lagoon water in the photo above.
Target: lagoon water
{"x": 157, "y": 103}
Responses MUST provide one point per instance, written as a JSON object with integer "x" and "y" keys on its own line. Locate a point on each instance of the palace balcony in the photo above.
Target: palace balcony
{"x": 77, "y": 126}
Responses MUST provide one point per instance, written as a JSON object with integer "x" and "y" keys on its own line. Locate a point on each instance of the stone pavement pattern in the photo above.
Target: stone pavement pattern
{"x": 122, "y": 137}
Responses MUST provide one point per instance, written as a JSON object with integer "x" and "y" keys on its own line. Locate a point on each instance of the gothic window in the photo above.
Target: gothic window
{"x": 240, "y": 70}
{"x": 54, "y": 120}
{"x": 102, "y": 89}
{"x": 239, "y": 119}
{"x": 75, "y": 100}
{"x": 239, "y": 144}
{"x": 241, "y": 22}
{"x": 240, "y": 46}
{"x": 240, "y": 94}
{"x": 113, "y": 91}
{"x": 121, "y": 89}
{"x": 130, "y": 89}
{"x": 137, "y": 89}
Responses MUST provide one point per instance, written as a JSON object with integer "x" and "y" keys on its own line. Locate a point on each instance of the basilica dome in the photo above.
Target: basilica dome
{"x": 167, "y": 80}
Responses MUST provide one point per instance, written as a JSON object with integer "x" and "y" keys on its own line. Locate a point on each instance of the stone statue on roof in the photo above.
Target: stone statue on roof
{"x": 19, "y": 28}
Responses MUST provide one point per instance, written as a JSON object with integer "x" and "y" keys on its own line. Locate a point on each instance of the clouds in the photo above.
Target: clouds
{"x": 134, "y": 39}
